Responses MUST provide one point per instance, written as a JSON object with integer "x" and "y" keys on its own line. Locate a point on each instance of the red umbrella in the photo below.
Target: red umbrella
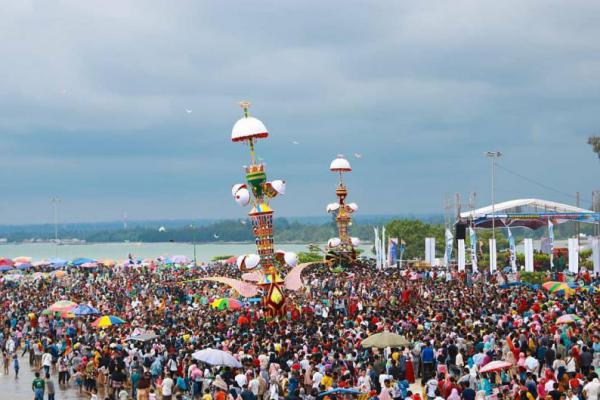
{"x": 231, "y": 260}
{"x": 6, "y": 262}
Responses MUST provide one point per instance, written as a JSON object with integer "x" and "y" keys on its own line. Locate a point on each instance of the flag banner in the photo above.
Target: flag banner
{"x": 430, "y": 250}
{"x": 473, "y": 239}
{"x": 448, "y": 252}
{"x": 392, "y": 251}
{"x": 376, "y": 244}
{"x": 551, "y": 237}
{"x": 596, "y": 255}
{"x": 573, "y": 256}
{"x": 512, "y": 250}
{"x": 528, "y": 250}
{"x": 402, "y": 249}
{"x": 493, "y": 261}
{"x": 461, "y": 255}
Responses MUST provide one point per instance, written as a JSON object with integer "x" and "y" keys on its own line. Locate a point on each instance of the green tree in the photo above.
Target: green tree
{"x": 413, "y": 233}
{"x": 594, "y": 141}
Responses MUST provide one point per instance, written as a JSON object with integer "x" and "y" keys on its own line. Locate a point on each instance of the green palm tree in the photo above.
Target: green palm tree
{"x": 594, "y": 141}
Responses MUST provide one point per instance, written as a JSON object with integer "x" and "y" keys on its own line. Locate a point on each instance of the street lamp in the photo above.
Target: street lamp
{"x": 494, "y": 155}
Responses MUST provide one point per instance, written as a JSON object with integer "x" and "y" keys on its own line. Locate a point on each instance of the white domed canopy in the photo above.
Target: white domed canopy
{"x": 340, "y": 164}
{"x": 331, "y": 207}
{"x": 334, "y": 242}
{"x": 248, "y": 127}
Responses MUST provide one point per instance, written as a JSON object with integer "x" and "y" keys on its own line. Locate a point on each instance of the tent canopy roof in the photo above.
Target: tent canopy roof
{"x": 539, "y": 205}
{"x": 528, "y": 213}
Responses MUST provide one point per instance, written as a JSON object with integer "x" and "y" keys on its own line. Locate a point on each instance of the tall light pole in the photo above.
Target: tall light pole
{"x": 193, "y": 228}
{"x": 494, "y": 155}
{"x": 55, "y": 202}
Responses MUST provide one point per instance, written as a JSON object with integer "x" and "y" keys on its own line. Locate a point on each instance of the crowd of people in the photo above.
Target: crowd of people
{"x": 454, "y": 325}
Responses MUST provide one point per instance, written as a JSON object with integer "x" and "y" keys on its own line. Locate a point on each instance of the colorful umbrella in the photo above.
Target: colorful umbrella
{"x": 106, "y": 321}
{"x": 22, "y": 259}
{"x": 226, "y": 303}
{"x": 339, "y": 390}
{"x": 108, "y": 263}
{"x": 62, "y": 314}
{"x": 495, "y": 366}
{"x": 553, "y": 287}
{"x": 58, "y": 262}
{"x": 84, "y": 309}
{"x": 63, "y": 306}
{"x": 568, "y": 319}
{"x": 81, "y": 261}
{"x": 6, "y": 262}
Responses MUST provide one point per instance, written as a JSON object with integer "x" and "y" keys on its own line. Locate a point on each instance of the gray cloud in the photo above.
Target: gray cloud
{"x": 93, "y": 99}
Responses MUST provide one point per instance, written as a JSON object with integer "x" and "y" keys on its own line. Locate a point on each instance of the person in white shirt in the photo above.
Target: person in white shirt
{"x": 46, "y": 362}
{"x": 317, "y": 378}
{"x": 241, "y": 380}
{"x": 254, "y": 385}
{"x": 167, "y": 388}
{"x": 592, "y": 389}
{"x": 364, "y": 382}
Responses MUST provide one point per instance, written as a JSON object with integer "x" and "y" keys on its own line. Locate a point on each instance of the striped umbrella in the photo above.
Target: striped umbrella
{"x": 106, "y": 321}
{"x": 495, "y": 366}
{"x": 226, "y": 303}
{"x": 553, "y": 287}
{"x": 568, "y": 319}
{"x": 62, "y": 314}
{"x": 63, "y": 306}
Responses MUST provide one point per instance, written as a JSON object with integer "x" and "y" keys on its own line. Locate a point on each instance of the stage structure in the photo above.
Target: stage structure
{"x": 530, "y": 214}
{"x": 341, "y": 250}
{"x": 261, "y": 272}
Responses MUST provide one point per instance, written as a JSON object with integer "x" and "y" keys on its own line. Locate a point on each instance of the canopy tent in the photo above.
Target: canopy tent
{"x": 528, "y": 213}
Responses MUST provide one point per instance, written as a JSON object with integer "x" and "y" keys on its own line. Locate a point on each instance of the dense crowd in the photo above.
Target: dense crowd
{"x": 454, "y": 325}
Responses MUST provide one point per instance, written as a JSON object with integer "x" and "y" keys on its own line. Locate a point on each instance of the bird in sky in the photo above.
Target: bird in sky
{"x": 187, "y": 110}
{"x": 243, "y": 221}
{"x": 357, "y": 155}
{"x": 215, "y": 236}
{"x": 295, "y": 142}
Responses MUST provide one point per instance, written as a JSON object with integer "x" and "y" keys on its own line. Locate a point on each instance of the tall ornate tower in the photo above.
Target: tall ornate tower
{"x": 341, "y": 249}
{"x": 258, "y": 192}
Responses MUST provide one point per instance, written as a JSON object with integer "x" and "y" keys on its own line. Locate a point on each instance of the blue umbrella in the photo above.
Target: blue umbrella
{"x": 84, "y": 309}
{"x": 5, "y": 268}
{"x": 58, "y": 262}
{"x": 81, "y": 261}
{"x": 340, "y": 391}
{"x": 23, "y": 266}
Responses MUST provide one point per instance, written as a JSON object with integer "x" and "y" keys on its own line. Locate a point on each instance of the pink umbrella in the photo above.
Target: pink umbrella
{"x": 495, "y": 366}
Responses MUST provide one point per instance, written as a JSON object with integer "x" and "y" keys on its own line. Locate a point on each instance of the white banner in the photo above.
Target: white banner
{"x": 473, "y": 239}
{"x": 448, "y": 251}
{"x": 596, "y": 254}
{"x": 528, "y": 250}
{"x": 430, "y": 250}
{"x": 461, "y": 254}
{"x": 573, "y": 256}
{"x": 493, "y": 261}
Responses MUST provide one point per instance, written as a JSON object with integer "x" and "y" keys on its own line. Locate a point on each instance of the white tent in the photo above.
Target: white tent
{"x": 537, "y": 204}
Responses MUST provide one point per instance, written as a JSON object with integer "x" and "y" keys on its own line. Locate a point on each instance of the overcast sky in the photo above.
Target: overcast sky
{"x": 93, "y": 99}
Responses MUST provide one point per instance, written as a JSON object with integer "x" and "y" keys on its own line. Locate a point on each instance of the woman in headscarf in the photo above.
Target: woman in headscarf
{"x": 454, "y": 395}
